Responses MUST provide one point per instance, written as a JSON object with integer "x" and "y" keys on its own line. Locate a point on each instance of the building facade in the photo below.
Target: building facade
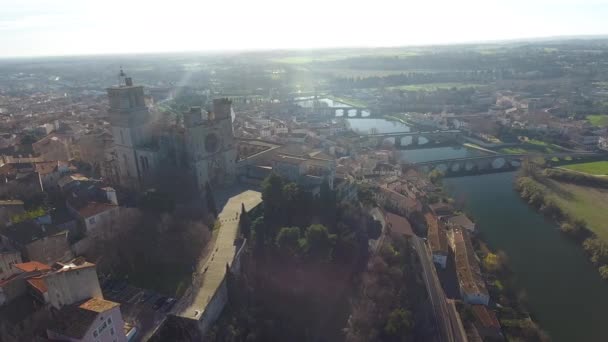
{"x": 210, "y": 144}
{"x": 136, "y": 153}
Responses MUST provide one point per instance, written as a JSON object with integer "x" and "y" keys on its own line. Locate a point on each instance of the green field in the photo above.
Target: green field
{"x": 586, "y": 203}
{"x": 531, "y": 146}
{"x": 436, "y": 86}
{"x": 598, "y": 120}
{"x": 594, "y": 168}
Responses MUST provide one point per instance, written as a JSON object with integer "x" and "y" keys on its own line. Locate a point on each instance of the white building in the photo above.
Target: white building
{"x": 68, "y": 283}
{"x": 96, "y": 320}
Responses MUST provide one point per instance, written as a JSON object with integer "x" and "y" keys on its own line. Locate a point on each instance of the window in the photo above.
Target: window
{"x": 112, "y": 331}
{"x": 92, "y": 220}
{"x": 95, "y": 333}
{"x": 109, "y": 320}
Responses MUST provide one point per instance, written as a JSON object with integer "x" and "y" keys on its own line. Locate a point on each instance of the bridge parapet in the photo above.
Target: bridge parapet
{"x": 491, "y": 163}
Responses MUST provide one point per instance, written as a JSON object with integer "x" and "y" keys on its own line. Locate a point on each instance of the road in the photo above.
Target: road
{"x": 448, "y": 330}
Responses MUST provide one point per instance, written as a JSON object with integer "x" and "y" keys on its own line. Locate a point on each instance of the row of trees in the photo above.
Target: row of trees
{"x": 294, "y": 224}
{"x": 531, "y": 188}
{"x": 388, "y": 296}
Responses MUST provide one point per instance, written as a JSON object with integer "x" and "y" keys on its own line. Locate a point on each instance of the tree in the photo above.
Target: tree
{"x": 318, "y": 243}
{"x": 374, "y": 229}
{"x": 210, "y": 200}
{"x": 398, "y": 324}
{"x": 272, "y": 195}
{"x": 259, "y": 227}
{"x": 245, "y": 222}
{"x": 327, "y": 201}
{"x": 604, "y": 272}
{"x": 157, "y": 202}
{"x": 435, "y": 176}
{"x": 288, "y": 240}
{"x": 366, "y": 195}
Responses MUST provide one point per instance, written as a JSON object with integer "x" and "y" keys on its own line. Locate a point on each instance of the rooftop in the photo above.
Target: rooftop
{"x": 94, "y": 208}
{"x": 28, "y": 231}
{"x": 398, "y": 224}
{"x": 467, "y": 267}
{"x": 436, "y": 235}
{"x": 10, "y": 202}
{"x": 32, "y": 266}
{"x": 76, "y": 264}
{"x": 485, "y": 317}
{"x": 461, "y": 220}
{"x": 98, "y": 305}
{"x": 38, "y": 283}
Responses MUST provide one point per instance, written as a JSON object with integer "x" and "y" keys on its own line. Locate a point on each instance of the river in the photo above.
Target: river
{"x": 563, "y": 289}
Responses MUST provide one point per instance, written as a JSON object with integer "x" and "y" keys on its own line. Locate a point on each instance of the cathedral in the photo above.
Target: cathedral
{"x": 202, "y": 148}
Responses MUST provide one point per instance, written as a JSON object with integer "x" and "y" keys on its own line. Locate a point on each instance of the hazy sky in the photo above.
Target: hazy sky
{"x": 65, "y": 27}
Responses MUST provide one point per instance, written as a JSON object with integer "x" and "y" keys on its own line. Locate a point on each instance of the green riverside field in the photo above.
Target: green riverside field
{"x": 598, "y": 168}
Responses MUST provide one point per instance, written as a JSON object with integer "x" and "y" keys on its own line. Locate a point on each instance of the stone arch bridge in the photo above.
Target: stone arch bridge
{"x": 402, "y": 140}
{"x": 491, "y": 163}
{"x": 345, "y": 111}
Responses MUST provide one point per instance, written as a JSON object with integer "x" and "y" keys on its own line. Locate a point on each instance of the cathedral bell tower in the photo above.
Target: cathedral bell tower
{"x": 210, "y": 143}
{"x": 129, "y": 118}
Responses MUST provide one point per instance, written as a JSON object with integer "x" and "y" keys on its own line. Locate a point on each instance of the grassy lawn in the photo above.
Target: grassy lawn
{"x": 598, "y": 120}
{"x": 436, "y": 86}
{"x": 583, "y": 202}
{"x": 532, "y": 146}
{"x": 594, "y": 168}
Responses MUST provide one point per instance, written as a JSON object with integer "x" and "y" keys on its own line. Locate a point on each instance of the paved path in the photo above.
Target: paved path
{"x": 211, "y": 273}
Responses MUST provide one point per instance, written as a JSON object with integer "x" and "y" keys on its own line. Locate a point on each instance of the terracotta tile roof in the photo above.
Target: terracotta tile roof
{"x": 94, "y": 208}
{"x": 467, "y": 266}
{"x": 38, "y": 283}
{"x": 98, "y": 305}
{"x": 436, "y": 235}
{"x": 398, "y": 224}
{"x": 32, "y": 266}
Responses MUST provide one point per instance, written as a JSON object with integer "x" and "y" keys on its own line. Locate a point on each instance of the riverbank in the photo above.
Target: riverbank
{"x": 399, "y": 118}
{"x": 580, "y": 209}
{"x": 506, "y": 299}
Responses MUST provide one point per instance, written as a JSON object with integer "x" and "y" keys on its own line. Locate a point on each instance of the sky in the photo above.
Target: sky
{"x": 77, "y": 27}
